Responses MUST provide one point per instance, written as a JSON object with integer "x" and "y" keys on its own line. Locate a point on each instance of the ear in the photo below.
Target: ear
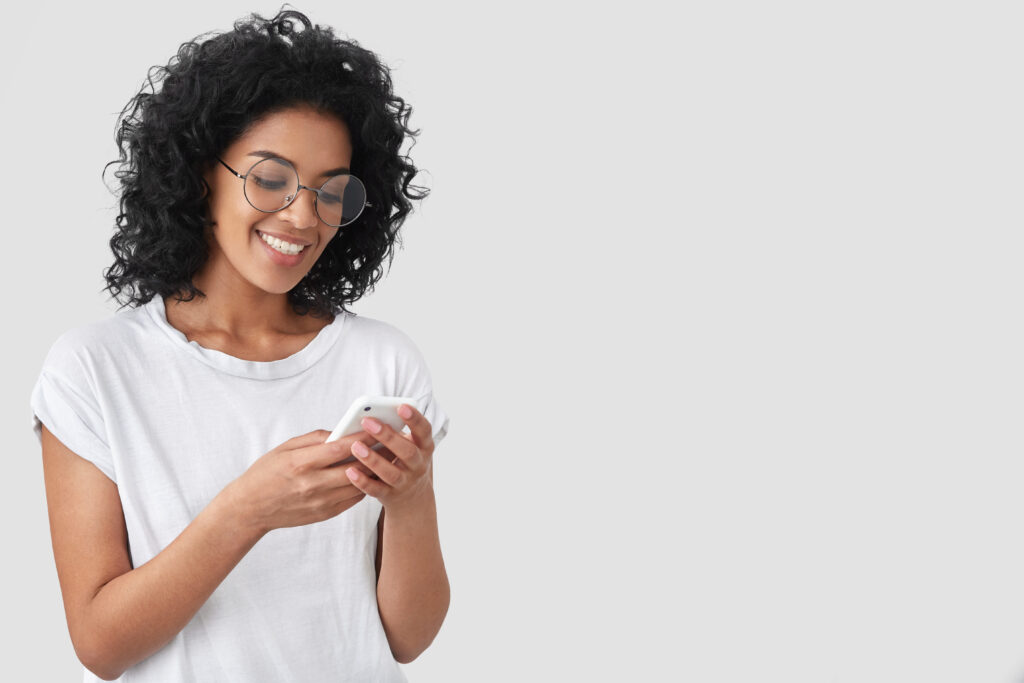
{"x": 204, "y": 180}
{"x": 205, "y": 174}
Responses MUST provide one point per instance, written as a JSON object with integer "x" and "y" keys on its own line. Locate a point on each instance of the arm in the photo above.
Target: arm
{"x": 412, "y": 586}
{"x": 118, "y": 616}
{"x": 139, "y": 612}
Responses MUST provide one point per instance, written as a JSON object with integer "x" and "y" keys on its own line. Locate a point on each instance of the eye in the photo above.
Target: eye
{"x": 333, "y": 192}
{"x": 267, "y": 183}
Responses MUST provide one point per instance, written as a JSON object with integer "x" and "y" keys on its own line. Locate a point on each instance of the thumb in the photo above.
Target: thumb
{"x": 312, "y": 438}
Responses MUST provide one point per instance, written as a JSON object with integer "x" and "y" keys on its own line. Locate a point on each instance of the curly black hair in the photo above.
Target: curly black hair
{"x": 211, "y": 92}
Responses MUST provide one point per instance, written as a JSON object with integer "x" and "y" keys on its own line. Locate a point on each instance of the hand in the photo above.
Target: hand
{"x": 404, "y": 469}
{"x": 299, "y": 482}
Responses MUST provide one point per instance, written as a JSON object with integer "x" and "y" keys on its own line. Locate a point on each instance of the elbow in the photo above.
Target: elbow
{"x": 92, "y": 659}
{"x": 96, "y": 668}
{"x": 408, "y": 656}
{"x": 93, "y": 649}
{"x": 408, "y": 653}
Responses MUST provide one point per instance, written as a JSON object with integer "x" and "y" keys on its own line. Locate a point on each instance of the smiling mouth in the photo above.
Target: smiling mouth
{"x": 286, "y": 248}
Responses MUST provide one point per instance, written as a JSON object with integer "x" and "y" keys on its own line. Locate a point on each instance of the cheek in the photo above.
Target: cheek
{"x": 327, "y": 236}
{"x": 227, "y": 199}
{"x": 231, "y": 215}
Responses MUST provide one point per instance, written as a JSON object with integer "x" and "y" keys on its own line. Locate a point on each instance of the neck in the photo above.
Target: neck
{"x": 236, "y": 308}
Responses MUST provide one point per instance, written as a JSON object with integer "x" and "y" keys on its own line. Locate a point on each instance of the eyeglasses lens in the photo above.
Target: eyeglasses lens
{"x": 341, "y": 200}
{"x": 271, "y": 185}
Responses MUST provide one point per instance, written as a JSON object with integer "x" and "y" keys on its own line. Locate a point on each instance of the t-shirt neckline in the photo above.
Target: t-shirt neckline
{"x": 298, "y": 362}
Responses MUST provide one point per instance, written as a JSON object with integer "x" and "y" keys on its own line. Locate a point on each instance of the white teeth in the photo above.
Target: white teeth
{"x": 280, "y": 245}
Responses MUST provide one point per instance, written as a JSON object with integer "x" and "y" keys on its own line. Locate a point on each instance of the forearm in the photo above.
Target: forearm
{"x": 412, "y": 590}
{"x": 140, "y": 611}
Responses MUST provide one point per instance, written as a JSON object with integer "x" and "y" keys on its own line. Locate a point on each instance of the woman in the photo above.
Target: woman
{"x": 261, "y": 188}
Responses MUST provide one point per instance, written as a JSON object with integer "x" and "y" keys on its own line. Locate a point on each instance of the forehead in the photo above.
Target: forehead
{"x": 312, "y": 140}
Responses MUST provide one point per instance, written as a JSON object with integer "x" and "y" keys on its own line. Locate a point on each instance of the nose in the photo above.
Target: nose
{"x": 301, "y": 213}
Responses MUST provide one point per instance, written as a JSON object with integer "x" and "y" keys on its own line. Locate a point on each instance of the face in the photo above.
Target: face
{"x": 317, "y": 145}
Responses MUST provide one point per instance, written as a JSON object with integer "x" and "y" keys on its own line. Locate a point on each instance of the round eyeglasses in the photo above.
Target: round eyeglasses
{"x": 272, "y": 184}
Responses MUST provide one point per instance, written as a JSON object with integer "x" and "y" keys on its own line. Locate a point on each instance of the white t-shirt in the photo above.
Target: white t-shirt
{"x": 172, "y": 423}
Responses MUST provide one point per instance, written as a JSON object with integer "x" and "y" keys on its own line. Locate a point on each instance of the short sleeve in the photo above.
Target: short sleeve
{"x": 417, "y": 382}
{"x": 68, "y": 409}
{"x": 438, "y": 419}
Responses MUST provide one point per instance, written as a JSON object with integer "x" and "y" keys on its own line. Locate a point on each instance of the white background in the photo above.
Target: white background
{"x": 723, "y": 301}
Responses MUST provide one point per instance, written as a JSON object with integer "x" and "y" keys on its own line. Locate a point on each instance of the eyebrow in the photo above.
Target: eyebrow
{"x": 266, "y": 154}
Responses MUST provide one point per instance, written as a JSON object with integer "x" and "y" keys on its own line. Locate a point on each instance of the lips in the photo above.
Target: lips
{"x": 279, "y": 257}
{"x": 285, "y": 238}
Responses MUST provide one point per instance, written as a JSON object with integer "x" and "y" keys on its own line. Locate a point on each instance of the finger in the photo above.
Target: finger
{"x": 376, "y": 446}
{"x": 419, "y": 426}
{"x": 308, "y": 439}
{"x": 368, "y": 486}
{"x": 319, "y": 436}
{"x": 353, "y": 461}
{"x": 323, "y": 453}
{"x": 385, "y": 469}
{"x": 345, "y": 489}
{"x": 406, "y": 450}
{"x": 341, "y": 463}
{"x": 391, "y": 457}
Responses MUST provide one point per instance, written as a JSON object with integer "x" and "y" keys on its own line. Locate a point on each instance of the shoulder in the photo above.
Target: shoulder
{"x": 80, "y": 347}
{"x": 383, "y": 335}
{"x": 393, "y": 348}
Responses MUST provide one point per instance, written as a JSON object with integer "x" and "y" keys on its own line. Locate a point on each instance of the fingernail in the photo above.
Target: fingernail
{"x": 360, "y": 449}
{"x": 371, "y": 425}
{"x": 352, "y": 474}
{"x": 405, "y": 412}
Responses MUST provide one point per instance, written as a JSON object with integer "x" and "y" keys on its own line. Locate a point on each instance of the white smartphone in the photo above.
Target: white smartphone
{"x": 381, "y": 408}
